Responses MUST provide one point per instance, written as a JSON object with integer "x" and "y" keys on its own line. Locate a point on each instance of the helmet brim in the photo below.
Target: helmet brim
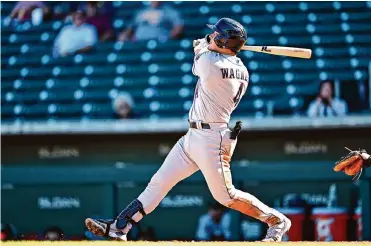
{"x": 212, "y": 27}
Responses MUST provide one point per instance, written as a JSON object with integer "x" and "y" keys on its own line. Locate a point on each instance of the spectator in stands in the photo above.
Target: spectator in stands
{"x": 326, "y": 104}
{"x": 215, "y": 225}
{"x": 65, "y": 11}
{"x": 23, "y": 10}
{"x": 77, "y": 38}
{"x": 102, "y": 22}
{"x": 103, "y": 7}
{"x": 158, "y": 21}
{"x": 123, "y": 106}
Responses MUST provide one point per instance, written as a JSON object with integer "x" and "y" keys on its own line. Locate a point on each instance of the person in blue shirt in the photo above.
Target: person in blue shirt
{"x": 215, "y": 225}
{"x": 326, "y": 104}
{"x": 157, "y": 21}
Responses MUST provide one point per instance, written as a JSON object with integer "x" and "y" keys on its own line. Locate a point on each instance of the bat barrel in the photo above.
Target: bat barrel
{"x": 281, "y": 51}
{"x": 277, "y": 50}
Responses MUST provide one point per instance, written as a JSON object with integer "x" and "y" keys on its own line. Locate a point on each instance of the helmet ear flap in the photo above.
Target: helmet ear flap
{"x": 221, "y": 41}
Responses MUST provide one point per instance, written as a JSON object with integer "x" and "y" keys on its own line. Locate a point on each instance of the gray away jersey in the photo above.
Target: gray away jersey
{"x": 223, "y": 80}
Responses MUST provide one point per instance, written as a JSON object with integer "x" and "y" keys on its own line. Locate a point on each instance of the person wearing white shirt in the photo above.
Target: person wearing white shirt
{"x": 325, "y": 104}
{"x": 76, "y": 38}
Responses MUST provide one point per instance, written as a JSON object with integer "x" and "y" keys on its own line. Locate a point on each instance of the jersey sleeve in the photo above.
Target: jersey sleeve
{"x": 202, "y": 63}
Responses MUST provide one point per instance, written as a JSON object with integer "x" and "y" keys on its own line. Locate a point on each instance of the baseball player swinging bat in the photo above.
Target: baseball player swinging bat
{"x": 209, "y": 144}
{"x": 276, "y": 50}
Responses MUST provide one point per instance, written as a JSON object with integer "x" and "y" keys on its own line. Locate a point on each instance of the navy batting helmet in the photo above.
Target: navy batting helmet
{"x": 231, "y": 34}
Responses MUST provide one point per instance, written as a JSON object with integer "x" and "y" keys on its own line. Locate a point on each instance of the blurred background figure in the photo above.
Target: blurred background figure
{"x": 326, "y": 104}
{"x": 64, "y": 11}
{"x": 101, "y": 21}
{"x": 158, "y": 21}
{"x": 53, "y": 233}
{"x": 8, "y": 232}
{"x": 123, "y": 105}
{"x": 215, "y": 225}
{"x": 77, "y": 38}
{"x": 23, "y": 10}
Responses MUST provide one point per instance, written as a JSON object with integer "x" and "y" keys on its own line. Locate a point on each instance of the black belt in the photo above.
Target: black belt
{"x": 234, "y": 133}
{"x": 203, "y": 125}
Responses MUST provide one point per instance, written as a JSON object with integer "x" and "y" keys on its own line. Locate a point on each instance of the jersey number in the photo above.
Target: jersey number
{"x": 238, "y": 96}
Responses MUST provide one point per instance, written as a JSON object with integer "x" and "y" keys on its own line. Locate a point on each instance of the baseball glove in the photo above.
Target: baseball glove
{"x": 353, "y": 163}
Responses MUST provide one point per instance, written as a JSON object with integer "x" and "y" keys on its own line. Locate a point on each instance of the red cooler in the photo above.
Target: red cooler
{"x": 297, "y": 216}
{"x": 330, "y": 223}
{"x": 358, "y": 217}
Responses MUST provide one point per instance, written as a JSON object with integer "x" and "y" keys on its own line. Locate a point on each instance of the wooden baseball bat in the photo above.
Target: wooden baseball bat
{"x": 280, "y": 51}
{"x": 277, "y": 50}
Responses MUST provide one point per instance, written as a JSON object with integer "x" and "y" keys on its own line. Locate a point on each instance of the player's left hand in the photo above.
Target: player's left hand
{"x": 353, "y": 163}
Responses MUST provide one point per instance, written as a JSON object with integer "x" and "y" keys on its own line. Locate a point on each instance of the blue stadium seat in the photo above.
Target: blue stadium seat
{"x": 158, "y": 75}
